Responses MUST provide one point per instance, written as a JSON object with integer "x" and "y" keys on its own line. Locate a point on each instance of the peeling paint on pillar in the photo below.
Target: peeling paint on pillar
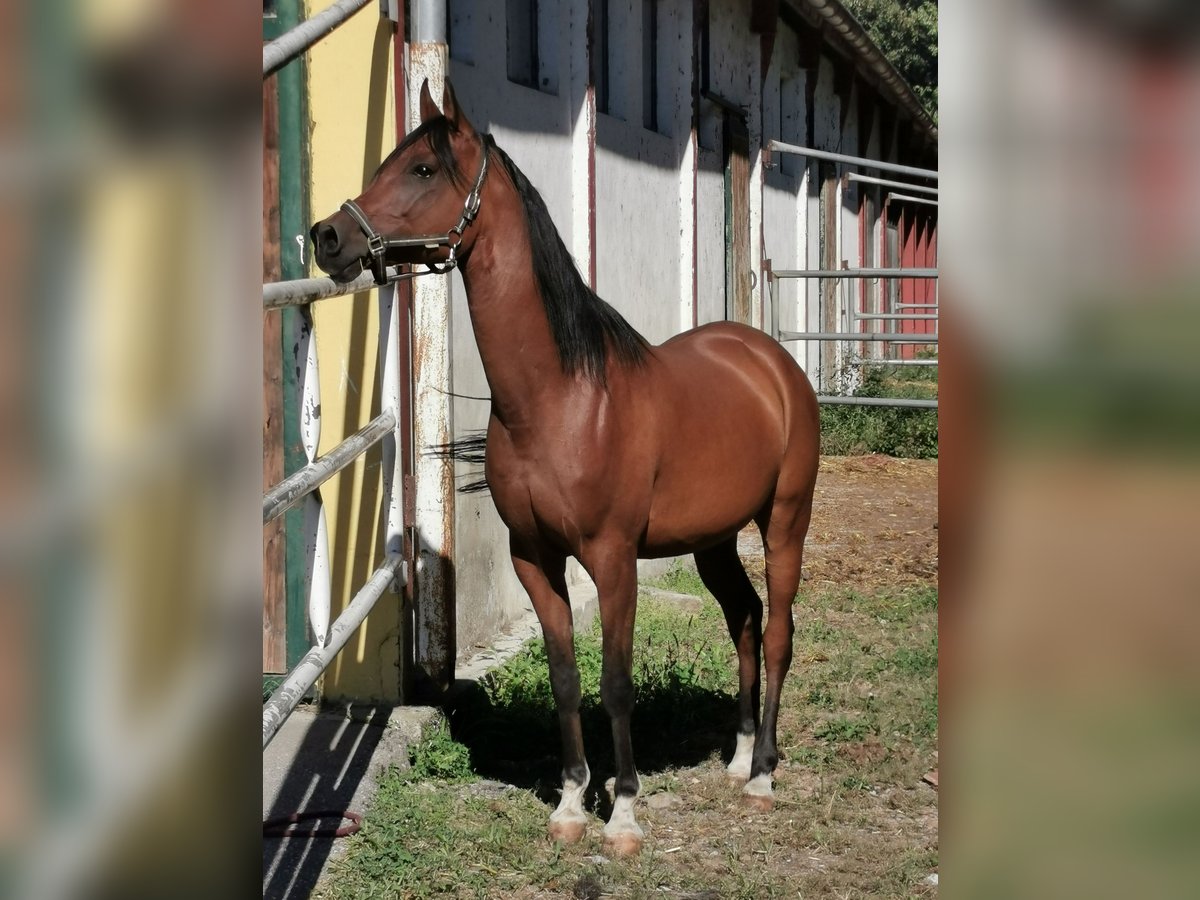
{"x": 434, "y": 644}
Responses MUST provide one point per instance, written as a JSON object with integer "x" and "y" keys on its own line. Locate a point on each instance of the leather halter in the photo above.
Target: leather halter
{"x": 378, "y": 245}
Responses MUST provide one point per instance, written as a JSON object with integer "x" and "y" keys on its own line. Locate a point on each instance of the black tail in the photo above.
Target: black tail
{"x": 470, "y": 449}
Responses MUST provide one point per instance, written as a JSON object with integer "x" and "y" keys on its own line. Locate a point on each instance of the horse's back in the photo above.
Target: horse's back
{"x": 735, "y": 419}
{"x": 747, "y": 358}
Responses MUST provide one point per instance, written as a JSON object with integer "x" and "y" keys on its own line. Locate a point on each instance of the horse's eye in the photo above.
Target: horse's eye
{"x": 422, "y": 171}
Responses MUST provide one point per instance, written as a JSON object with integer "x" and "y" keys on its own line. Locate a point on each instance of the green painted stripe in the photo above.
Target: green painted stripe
{"x": 293, "y": 220}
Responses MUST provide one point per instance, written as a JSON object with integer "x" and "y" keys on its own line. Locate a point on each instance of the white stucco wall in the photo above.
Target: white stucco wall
{"x": 539, "y": 130}
{"x": 784, "y": 204}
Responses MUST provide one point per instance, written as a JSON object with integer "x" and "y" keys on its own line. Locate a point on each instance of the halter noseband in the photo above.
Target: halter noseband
{"x": 378, "y": 245}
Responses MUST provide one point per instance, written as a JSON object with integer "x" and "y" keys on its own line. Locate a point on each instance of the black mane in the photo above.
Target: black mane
{"x": 584, "y": 327}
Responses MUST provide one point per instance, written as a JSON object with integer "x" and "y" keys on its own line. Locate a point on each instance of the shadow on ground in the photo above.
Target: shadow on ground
{"x": 323, "y": 770}
{"x": 516, "y": 739}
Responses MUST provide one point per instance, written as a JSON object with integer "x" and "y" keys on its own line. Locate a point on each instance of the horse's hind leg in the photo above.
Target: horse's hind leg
{"x": 722, "y": 572}
{"x": 542, "y": 574}
{"x": 783, "y": 526}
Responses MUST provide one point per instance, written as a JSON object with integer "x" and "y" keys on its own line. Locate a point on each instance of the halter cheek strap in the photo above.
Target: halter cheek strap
{"x": 378, "y": 245}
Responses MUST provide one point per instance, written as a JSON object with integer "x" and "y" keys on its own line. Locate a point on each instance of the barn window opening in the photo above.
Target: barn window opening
{"x": 459, "y": 31}
{"x": 532, "y": 30}
{"x": 600, "y": 54}
{"x": 650, "y": 65}
{"x": 522, "y": 30}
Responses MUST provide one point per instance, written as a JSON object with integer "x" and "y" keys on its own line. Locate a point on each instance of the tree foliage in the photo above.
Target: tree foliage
{"x": 907, "y": 33}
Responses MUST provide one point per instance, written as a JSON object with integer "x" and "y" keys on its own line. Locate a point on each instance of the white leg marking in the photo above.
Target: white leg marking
{"x": 759, "y": 786}
{"x": 622, "y": 822}
{"x": 570, "y": 807}
{"x": 739, "y": 766}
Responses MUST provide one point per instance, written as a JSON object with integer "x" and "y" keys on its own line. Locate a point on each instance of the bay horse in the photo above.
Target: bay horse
{"x": 599, "y": 445}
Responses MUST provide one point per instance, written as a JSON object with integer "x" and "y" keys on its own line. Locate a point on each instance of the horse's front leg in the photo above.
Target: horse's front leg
{"x": 542, "y": 573}
{"x": 614, "y": 570}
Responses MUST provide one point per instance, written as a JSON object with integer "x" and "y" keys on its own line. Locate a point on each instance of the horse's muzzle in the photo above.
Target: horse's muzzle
{"x": 338, "y": 247}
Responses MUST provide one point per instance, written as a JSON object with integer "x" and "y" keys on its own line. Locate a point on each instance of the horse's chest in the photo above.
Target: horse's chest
{"x": 536, "y": 493}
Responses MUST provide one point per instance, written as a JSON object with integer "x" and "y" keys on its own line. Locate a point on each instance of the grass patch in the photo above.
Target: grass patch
{"x": 857, "y": 730}
{"x": 841, "y": 729}
{"x": 441, "y": 758}
{"x": 681, "y": 579}
{"x": 913, "y": 433}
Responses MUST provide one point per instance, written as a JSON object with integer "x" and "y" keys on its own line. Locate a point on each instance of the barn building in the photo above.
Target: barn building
{"x": 643, "y": 123}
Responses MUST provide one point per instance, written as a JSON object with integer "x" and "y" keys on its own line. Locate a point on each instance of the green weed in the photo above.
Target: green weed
{"x": 854, "y": 430}
{"x": 439, "y": 757}
{"x": 681, "y": 579}
{"x": 842, "y": 730}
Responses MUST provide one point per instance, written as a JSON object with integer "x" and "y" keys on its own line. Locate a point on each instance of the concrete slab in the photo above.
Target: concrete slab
{"x": 328, "y": 760}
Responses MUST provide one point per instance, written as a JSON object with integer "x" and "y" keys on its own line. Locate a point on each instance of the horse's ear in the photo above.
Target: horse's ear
{"x": 452, "y": 111}
{"x": 429, "y": 109}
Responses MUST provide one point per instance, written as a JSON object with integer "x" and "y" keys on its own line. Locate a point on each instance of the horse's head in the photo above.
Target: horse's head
{"x": 419, "y": 204}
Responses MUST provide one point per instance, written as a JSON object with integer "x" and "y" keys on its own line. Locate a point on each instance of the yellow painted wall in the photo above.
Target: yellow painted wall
{"x": 351, "y": 109}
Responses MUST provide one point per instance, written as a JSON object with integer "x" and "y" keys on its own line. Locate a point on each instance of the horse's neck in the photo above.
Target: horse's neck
{"x": 515, "y": 343}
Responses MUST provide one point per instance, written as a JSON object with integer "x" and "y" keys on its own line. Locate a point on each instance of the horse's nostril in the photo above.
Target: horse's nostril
{"x": 328, "y": 239}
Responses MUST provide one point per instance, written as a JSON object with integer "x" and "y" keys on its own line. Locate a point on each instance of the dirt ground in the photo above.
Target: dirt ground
{"x": 874, "y": 524}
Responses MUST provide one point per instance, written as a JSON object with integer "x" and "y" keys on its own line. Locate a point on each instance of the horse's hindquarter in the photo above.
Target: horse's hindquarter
{"x": 732, "y": 411}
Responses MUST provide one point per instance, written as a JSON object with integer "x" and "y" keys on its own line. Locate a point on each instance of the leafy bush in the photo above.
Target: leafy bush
{"x": 894, "y": 431}
{"x": 439, "y": 756}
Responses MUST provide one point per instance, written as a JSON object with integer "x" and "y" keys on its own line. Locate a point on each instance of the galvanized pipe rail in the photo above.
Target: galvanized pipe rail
{"x": 892, "y": 317}
{"x": 278, "y": 294}
{"x": 889, "y": 362}
{"x": 292, "y": 43}
{"x": 862, "y": 273}
{"x": 909, "y": 198}
{"x": 303, "y": 482}
{"x": 887, "y": 182}
{"x": 317, "y": 660}
{"x": 903, "y": 402}
{"x": 886, "y": 337}
{"x": 854, "y": 273}
{"x": 863, "y": 162}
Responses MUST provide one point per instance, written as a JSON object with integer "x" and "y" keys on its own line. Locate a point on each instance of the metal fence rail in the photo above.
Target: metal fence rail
{"x": 909, "y": 198}
{"x": 278, "y": 294}
{"x": 294, "y": 42}
{"x": 889, "y": 337}
{"x": 887, "y": 182}
{"x": 902, "y": 402}
{"x": 865, "y": 336}
{"x": 854, "y": 273}
{"x": 781, "y": 147}
{"x": 317, "y": 660}
{"x": 299, "y": 484}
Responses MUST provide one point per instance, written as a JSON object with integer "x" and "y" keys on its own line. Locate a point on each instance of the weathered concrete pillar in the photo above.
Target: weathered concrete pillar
{"x": 434, "y": 614}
